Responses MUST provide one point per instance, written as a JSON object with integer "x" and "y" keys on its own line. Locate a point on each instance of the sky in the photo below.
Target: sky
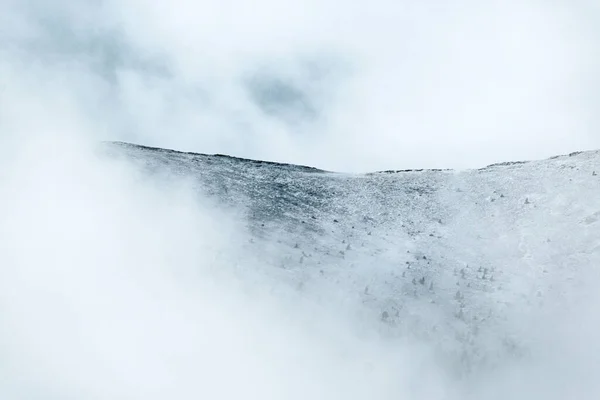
{"x": 107, "y": 277}
{"x": 348, "y": 87}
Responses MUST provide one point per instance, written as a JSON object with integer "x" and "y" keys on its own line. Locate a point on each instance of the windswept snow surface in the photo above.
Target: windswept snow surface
{"x": 476, "y": 263}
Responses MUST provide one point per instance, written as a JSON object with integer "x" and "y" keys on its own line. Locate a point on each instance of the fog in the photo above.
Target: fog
{"x": 351, "y": 87}
{"x": 113, "y": 288}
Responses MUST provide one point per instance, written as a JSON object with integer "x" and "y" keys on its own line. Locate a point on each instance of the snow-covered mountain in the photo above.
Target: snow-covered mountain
{"x": 471, "y": 261}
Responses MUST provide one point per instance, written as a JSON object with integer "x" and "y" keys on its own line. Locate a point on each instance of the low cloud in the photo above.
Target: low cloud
{"x": 344, "y": 87}
{"x": 113, "y": 287}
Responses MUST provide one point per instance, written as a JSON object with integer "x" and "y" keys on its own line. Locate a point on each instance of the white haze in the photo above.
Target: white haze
{"x": 111, "y": 288}
{"x": 114, "y": 289}
{"x": 344, "y": 86}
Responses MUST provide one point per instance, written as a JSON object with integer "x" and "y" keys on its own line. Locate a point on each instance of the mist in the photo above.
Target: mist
{"x": 114, "y": 285}
{"x": 347, "y": 87}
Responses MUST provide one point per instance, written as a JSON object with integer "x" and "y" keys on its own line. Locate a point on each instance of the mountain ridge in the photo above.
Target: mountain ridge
{"x": 459, "y": 257}
{"x": 316, "y": 169}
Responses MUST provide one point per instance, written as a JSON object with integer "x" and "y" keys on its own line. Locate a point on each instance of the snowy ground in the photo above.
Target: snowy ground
{"x": 476, "y": 262}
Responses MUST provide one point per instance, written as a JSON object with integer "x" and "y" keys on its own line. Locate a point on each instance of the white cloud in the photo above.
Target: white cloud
{"x": 360, "y": 86}
{"x": 88, "y": 293}
{"x": 112, "y": 288}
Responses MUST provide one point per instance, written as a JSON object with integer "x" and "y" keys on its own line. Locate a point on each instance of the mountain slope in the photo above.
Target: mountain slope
{"x": 467, "y": 259}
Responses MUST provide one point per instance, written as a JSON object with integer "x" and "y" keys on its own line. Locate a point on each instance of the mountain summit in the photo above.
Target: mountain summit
{"x": 464, "y": 258}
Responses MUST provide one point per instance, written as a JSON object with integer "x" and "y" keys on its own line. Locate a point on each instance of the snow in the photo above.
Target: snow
{"x": 470, "y": 261}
